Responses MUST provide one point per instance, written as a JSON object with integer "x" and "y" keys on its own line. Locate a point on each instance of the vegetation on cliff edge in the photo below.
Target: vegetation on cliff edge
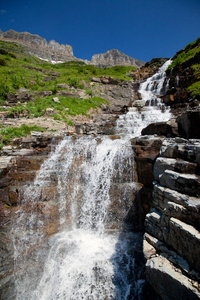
{"x": 190, "y": 53}
{"x": 187, "y": 53}
{"x": 8, "y": 133}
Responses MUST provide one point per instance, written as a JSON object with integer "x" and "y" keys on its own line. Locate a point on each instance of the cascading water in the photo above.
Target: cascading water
{"x": 95, "y": 254}
{"x": 149, "y": 109}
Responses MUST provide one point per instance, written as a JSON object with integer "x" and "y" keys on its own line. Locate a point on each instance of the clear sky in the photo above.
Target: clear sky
{"x": 142, "y": 29}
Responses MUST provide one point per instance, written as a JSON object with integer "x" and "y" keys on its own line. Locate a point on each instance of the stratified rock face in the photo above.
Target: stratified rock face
{"x": 39, "y": 46}
{"x": 115, "y": 57}
{"x": 172, "y": 238}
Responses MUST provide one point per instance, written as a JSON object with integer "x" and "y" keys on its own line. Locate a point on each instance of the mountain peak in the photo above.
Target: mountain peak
{"x": 53, "y": 51}
{"x": 114, "y": 57}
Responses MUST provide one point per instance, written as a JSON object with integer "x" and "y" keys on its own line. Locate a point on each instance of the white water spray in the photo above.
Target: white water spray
{"x": 149, "y": 109}
{"x": 92, "y": 257}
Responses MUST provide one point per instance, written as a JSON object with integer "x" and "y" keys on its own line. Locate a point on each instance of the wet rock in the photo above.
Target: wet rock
{"x": 139, "y": 103}
{"x": 146, "y": 149}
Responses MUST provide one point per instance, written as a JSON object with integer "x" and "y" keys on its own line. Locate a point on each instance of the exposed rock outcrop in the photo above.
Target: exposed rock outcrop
{"x": 172, "y": 239}
{"x": 53, "y": 51}
{"x": 146, "y": 150}
{"x": 148, "y": 69}
{"x": 182, "y": 76}
{"x": 38, "y": 46}
{"x": 18, "y": 168}
{"x": 115, "y": 57}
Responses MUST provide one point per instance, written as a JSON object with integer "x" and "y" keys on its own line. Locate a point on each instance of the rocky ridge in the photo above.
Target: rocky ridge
{"x": 54, "y": 52}
{"x": 38, "y": 46}
{"x": 115, "y": 57}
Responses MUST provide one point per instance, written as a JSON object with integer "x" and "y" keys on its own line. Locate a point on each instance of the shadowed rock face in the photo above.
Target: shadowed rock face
{"x": 115, "y": 57}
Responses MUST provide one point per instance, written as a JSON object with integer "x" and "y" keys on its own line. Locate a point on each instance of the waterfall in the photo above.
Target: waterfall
{"x": 72, "y": 234}
{"x": 149, "y": 109}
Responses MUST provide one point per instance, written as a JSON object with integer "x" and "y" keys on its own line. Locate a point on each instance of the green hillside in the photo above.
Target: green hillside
{"x": 190, "y": 57}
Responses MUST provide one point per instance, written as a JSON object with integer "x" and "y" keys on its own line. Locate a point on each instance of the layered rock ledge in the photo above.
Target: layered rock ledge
{"x": 172, "y": 238}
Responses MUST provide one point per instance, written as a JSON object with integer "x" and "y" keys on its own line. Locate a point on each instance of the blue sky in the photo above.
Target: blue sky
{"x": 142, "y": 29}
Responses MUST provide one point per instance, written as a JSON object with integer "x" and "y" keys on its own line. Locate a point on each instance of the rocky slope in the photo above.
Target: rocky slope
{"x": 53, "y": 51}
{"x": 38, "y": 46}
{"x": 167, "y": 164}
{"x": 184, "y": 78}
{"x": 115, "y": 57}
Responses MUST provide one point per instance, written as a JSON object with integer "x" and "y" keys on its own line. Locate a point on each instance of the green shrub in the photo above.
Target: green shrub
{"x": 3, "y": 62}
{"x": 3, "y": 52}
{"x": 195, "y": 89}
{"x": 75, "y": 82}
{"x": 4, "y": 89}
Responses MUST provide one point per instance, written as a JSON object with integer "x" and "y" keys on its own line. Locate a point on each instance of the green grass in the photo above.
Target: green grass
{"x": 20, "y": 70}
{"x": 196, "y": 69}
{"x": 8, "y": 133}
{"x": 195, "y": 89}
{"x": 188, "y": 52}
{"x": 67, "y": 106}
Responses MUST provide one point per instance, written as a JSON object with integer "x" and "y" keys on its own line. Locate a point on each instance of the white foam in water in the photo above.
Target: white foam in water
{"x": 154, "y": 111}
{"x": 91, "y": 257}
{"x": 78, "y": 267}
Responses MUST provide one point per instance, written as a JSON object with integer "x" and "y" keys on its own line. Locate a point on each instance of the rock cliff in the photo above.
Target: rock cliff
{"x": 38, "y": 46}
{"x": 53, "y": 51}
{"x": 167, "y": 166}
{"x": 172, "y": 239}
{"x": 115, "y": 57}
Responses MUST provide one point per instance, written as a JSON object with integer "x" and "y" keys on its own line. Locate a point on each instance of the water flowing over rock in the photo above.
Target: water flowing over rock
{"x": 93, "y": 196}
{"x": 74, "y": 229}
{"x": 149, "y": 108}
